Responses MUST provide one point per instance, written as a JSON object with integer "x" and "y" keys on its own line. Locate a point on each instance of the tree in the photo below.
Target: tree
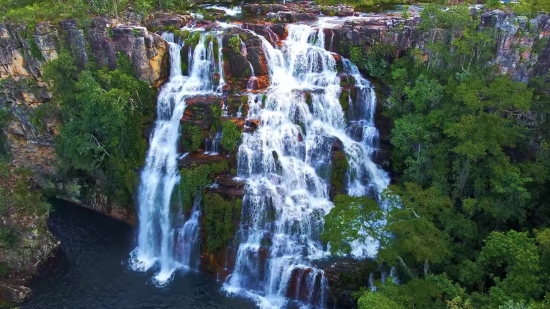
{"x": 512, "y": 261}
{"x": 351, "y": 218}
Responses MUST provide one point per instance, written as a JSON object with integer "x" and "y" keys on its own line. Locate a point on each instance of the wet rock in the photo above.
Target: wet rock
{"x": 199, "y": 158}
{"x": 298, "y": 288}
{"x": 167, "y": 21}
{"x": 230, "y": 181}
{"x": 199, "y": 110}
{"x": 346, "y": 277}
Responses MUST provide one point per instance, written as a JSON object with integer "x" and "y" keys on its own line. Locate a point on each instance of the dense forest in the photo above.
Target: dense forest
{"x": 468, "y": 214}
{"x": 467, "y": 219}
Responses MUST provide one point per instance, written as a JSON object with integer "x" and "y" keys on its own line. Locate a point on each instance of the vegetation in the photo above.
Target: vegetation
{"x": 32, "y": 11}
{"x": 196, "y": 178}
{"x": 235, "y": 44}
{"x": 191, "y": 136}
{"x": 339, "y": 170}
{"x": 230, "y": 136}
{"x": 219, "y": 220}
{"x": 467, "y": 221}
{"x": 104, "y": 115}
{"x": 19, "y": 197}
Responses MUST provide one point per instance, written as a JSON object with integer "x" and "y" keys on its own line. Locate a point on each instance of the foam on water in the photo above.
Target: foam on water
{"x": 286, "y": 198}
{"x": 158, "y": 207}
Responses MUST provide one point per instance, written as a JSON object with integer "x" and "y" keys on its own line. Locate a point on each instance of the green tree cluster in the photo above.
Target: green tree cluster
{"x": 467, "y": 222}
{"x": 104, "y": 115}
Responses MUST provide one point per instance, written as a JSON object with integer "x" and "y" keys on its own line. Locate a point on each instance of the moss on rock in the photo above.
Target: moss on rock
{"x": 220, "y": 220}
{"x": 339, "y": 168}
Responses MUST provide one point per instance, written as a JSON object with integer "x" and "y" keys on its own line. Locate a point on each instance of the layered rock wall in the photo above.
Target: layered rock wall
{"x": 31, "y": 130}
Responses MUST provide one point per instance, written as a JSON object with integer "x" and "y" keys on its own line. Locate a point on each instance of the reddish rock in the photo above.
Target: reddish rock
{"x": 199, "y": 110}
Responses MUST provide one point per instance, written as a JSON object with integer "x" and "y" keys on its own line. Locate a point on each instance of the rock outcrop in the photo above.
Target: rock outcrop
{"x": 31, "y": 131}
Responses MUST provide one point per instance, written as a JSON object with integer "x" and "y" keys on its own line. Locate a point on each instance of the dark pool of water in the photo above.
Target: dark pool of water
{"x": 93, "y": 272}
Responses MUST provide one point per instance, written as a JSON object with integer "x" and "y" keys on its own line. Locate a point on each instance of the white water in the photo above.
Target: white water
{"x": 159, "y": 207}
{"x": 286, "y": 198}
{"x": 234, "y": 11}
{"x": 189, "y": 237}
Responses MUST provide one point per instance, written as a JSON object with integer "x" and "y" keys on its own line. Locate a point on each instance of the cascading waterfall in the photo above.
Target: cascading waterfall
{"x": 285, "y": 198}
{"x": 159, "y": 210}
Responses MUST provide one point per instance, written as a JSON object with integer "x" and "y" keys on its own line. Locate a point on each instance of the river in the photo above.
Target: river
{"x": 93, "y": 272}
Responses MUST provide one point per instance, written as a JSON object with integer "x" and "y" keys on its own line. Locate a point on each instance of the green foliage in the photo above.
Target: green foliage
{"x": 349, "y": 215}
{"x": 372, "y": 300}
{"x": 230, "y": 136}
{"x": 196, "y": 178}
{"x": 31, "y": 11}
{"x": 472, "y": 168}
{"x": 191, "y": 136}
{"x": 8, "y": 238}
{"x": 339, "y": 169}
{"x": 516, "y": 256}
{"x": 235, "y": 44}
{"x": 35, "y": 50}
{"x": 104, "y": 114}
{"x": 220, "y": 217}
{"x": 19, "y": 198}
{"x": 374, "y": 60}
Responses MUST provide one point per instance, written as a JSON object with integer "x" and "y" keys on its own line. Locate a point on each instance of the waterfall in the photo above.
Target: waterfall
{"x": 285, "y": 198}
{"x": 212, "y": 145}
{"x": 188, "y": 239}
{"x": 159, "y": 210}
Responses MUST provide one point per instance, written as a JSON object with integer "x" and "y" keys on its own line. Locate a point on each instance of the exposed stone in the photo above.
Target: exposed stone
{"x": 167, "y": 21}
{"x": 199, "y": 110}
{"x": 344, "y": 278}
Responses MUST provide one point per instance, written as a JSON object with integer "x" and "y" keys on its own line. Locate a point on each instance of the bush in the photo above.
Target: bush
{"x": 230, "y": 136}
{"x": 104, "y": 114}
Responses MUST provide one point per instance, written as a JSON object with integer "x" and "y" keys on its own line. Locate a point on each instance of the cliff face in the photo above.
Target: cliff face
{"x": 31, "y": 130}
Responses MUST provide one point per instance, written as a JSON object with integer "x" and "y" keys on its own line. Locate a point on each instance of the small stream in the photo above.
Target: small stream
{"x": 93, "y": 272}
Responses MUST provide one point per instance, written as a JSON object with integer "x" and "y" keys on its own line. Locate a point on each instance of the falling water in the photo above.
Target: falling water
{"x": 157, "y": 197}
{"x": 286, "y": 198}
{"x": 188, "y": 239}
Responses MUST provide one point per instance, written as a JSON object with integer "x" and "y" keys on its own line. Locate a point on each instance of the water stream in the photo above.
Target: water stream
{"x": 284, "y": 162}
{"x": 286, "y": 197}
{"x": 158, "y": 204}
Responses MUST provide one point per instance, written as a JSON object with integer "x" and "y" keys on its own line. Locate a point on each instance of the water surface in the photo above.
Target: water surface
{"x": 93, "y": 272}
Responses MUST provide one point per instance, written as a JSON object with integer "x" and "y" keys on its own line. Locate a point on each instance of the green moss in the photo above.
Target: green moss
{"x": 184, "y": 66}
{"x": 219, "y": 167}
{"x": 192, "y": 39}
{"x": 196, "y": 178}
{"x": 8, "y": 238}
{"x": 35, "y": 50}
{"x": 191, "y": 136}
{"x": 339, "y": 169}
{"x": 264, "y": 99}
{"x": 216, "y": 50}
{"x": 220, "y": 216}
{"x": 235, "y": 44}
{"x": 344, "y": 99}
{"x": 192, "y": 181}
{"x": 244, "y": 104}
{"x": 230, "y": 136}
{"x": 4, "y": 270}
